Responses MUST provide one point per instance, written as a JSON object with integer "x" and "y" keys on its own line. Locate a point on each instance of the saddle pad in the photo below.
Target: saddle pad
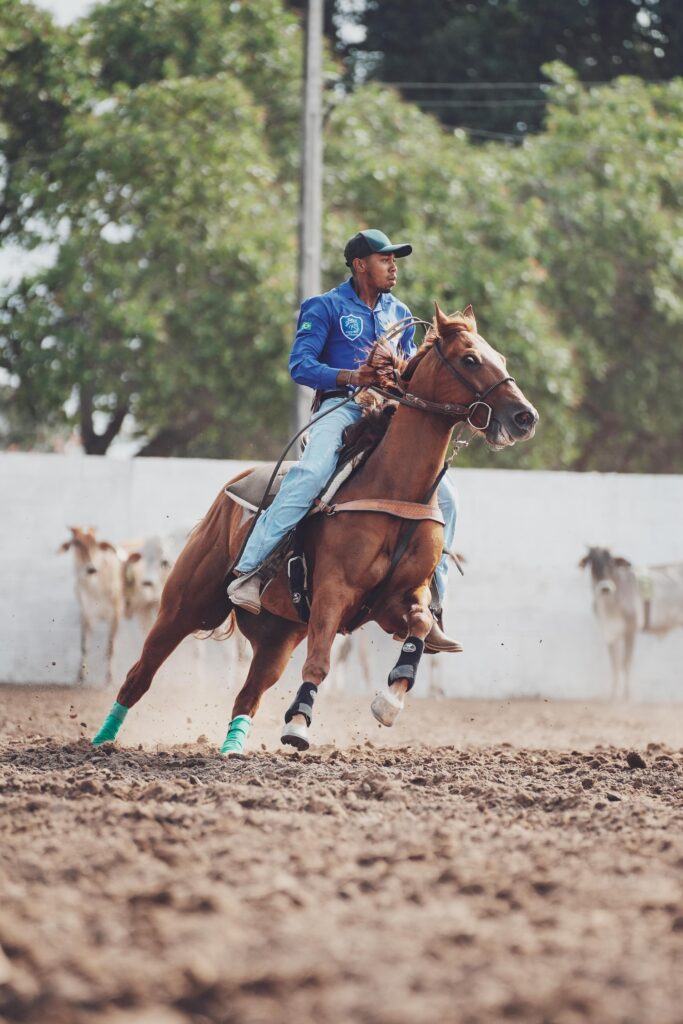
{"x": 250, "y": 489}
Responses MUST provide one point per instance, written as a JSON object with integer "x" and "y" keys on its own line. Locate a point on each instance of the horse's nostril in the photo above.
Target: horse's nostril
{"x": 90, "y": 570}
{"x": 524, "y": 418}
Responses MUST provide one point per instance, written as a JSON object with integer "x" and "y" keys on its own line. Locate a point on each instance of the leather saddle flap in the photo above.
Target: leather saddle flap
{"x": 250, "y": 489}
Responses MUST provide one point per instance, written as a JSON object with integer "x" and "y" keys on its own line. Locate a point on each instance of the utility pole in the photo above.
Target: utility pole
{"x": 311, "y": 195}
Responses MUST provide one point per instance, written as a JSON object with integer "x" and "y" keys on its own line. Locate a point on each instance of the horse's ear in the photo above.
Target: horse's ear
{"x": 623, "y": 563}
{"x": 584, "y": 562}
{"x": 469, "y": 313}
{"x": 440, "y": 319}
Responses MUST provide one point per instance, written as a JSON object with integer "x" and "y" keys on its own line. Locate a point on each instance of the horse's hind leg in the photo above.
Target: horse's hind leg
{"x": 388, "y": 704}
{"x": 163, "y": 638}
{"x": 273, "y": 640}
{"x": 193, "y": 598}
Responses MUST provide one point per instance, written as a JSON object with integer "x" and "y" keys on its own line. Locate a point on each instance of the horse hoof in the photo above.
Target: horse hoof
{"x": 386, "y": 707}
{"x": 295, "y": 735}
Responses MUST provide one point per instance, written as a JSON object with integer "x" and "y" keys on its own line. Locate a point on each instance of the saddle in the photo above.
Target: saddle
{"x": 251, "y": 489}
{"x": 359, "y": 440}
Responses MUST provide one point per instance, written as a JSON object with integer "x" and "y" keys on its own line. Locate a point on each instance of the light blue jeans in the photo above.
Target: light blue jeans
{"x": 305, "y": 480}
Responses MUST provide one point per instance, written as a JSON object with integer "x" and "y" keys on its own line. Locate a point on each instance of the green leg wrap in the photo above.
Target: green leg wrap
{"x": 238, "y": 730}
{"x": 111, "y": 725}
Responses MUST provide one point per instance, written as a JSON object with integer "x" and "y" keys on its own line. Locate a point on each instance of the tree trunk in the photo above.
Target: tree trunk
{"x": 170, "y": 439}
{"x": 93, "y": 443}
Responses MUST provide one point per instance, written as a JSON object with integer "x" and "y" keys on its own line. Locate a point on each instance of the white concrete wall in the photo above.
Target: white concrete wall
{"x": 523, "y": 610}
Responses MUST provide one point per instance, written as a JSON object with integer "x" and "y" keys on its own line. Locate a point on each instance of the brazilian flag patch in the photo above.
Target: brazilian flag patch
{"x": 306, "y": 325}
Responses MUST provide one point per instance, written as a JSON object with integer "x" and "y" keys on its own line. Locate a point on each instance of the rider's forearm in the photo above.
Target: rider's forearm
{"x": 346, "y": 378}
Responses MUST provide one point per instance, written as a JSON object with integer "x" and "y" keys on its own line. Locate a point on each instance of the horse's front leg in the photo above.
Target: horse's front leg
{"x": 388, "y": 704}
{"x": 326, "y": 613}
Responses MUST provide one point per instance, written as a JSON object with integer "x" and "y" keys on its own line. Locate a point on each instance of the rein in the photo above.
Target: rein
{"x": 451, "y": 409}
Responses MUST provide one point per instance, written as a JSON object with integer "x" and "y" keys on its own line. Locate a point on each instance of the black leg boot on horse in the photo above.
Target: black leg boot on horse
{"x": 388, "y": 704}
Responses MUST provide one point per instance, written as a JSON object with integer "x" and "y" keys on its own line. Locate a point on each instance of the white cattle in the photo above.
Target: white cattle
{"x": 146, "y": 567}
{"x": 627, "y": 599}
{"x": 99, "y": 590}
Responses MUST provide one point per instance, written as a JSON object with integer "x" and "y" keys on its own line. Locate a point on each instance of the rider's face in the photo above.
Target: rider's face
{"x": 381, "y": 271}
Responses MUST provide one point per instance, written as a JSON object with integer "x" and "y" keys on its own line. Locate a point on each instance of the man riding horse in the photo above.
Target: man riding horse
{"x": 334, "y": 336}
{"x": 373, "y": 553}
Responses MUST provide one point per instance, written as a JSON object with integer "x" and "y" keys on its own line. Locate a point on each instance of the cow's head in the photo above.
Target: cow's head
{"x": 145, "y": 572}
{"x": 87, "y": 549}
{"x": 603, "y": 567}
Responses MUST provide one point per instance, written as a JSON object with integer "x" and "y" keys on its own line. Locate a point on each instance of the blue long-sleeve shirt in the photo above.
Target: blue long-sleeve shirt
{"x": 336, "y": 332}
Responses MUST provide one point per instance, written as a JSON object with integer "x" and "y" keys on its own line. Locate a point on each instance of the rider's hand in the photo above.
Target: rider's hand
{"x": 363, "y": 377}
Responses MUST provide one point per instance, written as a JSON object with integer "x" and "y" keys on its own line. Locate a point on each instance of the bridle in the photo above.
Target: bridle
{"x": 450, "y": 409}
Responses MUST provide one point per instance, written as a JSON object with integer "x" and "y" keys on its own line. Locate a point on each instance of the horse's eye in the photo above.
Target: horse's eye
{"x": 470, "y": 361}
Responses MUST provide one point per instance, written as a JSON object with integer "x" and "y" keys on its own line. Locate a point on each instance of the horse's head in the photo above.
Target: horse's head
{"x": 464, "y": 369}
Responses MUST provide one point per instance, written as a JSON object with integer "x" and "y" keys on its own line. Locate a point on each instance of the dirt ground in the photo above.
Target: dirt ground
{"x": 480, "y": 862}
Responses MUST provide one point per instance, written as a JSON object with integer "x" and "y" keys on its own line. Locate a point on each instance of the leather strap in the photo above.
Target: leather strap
{"x": 365, "y": 611}
{"x": 400, "y": 509}
{"x": 451, "y": 409}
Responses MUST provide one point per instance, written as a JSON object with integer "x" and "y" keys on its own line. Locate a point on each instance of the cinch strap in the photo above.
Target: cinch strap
{"x": 391, "y": 507}
{"x": 303, "y": 703}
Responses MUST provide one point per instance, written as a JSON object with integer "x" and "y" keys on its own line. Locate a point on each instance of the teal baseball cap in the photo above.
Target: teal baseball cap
{"x": 371, "y": 240}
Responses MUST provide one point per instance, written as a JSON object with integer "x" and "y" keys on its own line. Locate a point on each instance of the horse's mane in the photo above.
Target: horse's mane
{"x": 388, "y": 364}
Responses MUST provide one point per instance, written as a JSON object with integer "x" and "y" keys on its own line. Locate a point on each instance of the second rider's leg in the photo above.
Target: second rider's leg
{"x": 437, "y": 641}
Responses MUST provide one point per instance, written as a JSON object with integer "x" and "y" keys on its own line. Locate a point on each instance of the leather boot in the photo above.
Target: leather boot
{"x": 245, "y": 592}
{"x": 436, "y": 641}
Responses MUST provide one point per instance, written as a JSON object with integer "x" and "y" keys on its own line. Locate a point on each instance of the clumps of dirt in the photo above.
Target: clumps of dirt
{"x": 376, "y": 884}
{"x": 634, "y": 760}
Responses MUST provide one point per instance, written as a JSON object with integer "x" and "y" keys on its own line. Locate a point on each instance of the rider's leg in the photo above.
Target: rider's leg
{"x": 437, "y": 641}
{"x": 447, "y": 497}
{"x": 300, "y": 487}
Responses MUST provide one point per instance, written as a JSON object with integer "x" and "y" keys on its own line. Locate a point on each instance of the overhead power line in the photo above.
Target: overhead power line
{"x": 504, "y": 85}
{"x": 482, "y": 103}
{"x": 472, "y": 85}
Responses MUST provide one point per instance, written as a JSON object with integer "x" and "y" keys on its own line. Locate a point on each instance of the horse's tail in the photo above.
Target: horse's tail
{"x": 222, "y": 632}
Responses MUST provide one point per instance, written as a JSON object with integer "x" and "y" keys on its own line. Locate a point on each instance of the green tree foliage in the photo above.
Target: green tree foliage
{"x": 257, "y": 43}
{"x": 160, "y": 304}
{"x": 174, "y": 278}
{"x": 155, "y": 146}
{"x": 470, "y": 42}
{"x": 43, "y": 75}
{"x": 605, "y": 183}
{"x": 452, "y": 200}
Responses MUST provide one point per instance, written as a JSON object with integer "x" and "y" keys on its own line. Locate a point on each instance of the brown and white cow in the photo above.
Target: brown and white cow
{"x": 99, "y": 590}
{"x": 627, "y": 599}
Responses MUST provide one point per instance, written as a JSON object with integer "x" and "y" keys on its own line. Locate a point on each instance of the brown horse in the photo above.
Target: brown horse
{"x": 455, "y": 377}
